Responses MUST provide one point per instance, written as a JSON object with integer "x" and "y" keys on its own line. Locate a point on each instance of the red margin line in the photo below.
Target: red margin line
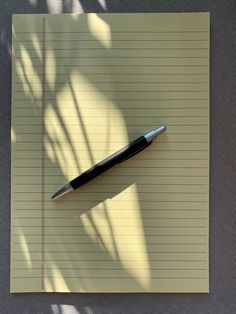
{"x": 43, "y": 151}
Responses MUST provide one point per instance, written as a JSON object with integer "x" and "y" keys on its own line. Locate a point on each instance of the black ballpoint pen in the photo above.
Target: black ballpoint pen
{"x": 121, "y": 155}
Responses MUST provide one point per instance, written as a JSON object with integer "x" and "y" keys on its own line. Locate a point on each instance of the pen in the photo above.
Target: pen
{"x": 121, "y": 155}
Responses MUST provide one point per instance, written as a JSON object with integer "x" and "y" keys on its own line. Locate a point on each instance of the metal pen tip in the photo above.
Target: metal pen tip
{"x": 62, "y": 191}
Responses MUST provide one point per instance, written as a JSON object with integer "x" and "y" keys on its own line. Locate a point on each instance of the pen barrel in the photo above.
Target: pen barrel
{"x": 121, "y": 155}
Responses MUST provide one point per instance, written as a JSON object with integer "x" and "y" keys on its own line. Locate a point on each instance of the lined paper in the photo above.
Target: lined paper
{"x": 85, "y": 85}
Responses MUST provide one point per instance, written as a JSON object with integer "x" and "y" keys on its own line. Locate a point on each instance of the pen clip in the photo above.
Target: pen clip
{"x": 138, "y": 151}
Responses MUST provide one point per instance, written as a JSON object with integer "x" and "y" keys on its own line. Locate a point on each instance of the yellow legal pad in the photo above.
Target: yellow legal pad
{"x": 85, "y": 85}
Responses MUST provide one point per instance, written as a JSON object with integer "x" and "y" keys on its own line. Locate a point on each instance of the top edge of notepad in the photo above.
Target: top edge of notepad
{"x": 183, "y": 19}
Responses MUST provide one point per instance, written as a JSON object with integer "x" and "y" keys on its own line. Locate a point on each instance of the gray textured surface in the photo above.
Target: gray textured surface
{"x": 222, "y": 297}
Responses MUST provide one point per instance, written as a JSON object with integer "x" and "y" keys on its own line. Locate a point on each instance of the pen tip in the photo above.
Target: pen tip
{"x": 55, "y": 196}
{"x": 64, "y": 190}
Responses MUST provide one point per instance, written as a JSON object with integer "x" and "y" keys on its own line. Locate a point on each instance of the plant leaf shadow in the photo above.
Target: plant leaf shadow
{"x": 53, "y": 267}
